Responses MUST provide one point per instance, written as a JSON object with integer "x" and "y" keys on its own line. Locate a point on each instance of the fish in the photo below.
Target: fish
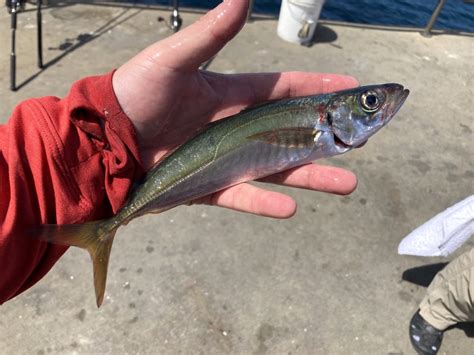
{"x": 257, "y": 142}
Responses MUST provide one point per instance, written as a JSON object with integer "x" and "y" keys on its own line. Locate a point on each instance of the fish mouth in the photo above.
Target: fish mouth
{"x": 399, "y": 94}
{"x": 340, "y": 144}
{"x": 344, "y": 146}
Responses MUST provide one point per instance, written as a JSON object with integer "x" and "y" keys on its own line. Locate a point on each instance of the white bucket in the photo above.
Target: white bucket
{"x": 298, "y": 20}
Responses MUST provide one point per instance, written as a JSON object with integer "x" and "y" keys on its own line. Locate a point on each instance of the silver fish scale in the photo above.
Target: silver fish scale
{"x": 199, "y": 168}
{"x": 255, "y": 160}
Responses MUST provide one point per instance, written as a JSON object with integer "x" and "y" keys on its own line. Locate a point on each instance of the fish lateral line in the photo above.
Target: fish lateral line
{"x": 297, "y": 137}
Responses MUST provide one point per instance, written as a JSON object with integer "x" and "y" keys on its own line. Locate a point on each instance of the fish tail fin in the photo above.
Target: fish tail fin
{"x": 93, "y": 237}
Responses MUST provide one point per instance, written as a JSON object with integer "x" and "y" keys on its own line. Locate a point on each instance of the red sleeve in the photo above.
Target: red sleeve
{"x": 61, "y": 161}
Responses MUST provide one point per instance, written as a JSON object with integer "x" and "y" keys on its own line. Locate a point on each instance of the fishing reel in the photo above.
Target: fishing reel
{"x": 15, "y": 5}
{"x": 19, "y": 5}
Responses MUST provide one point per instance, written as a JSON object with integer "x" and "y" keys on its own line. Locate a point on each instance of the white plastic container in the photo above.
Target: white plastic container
{"x": 298, "y": 19}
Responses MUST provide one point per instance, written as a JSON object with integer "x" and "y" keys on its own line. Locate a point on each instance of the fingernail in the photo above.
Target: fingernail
{"x": 350, "y": 80}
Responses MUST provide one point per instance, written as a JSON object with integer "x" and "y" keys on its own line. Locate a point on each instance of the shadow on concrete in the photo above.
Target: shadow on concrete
{"x": 467, "y": 328}
{"x": 71, "y": 44}
{"x": 423, "y": 275}
{"x": 322, "y": 34}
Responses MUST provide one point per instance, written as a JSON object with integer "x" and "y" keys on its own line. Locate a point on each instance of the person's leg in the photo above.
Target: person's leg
{"x": 449, "y": 300}
{"x": 450, "y": 296}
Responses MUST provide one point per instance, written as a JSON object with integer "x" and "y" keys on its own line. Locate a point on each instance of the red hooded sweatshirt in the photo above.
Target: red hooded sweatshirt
{"x": 62, "y": 161}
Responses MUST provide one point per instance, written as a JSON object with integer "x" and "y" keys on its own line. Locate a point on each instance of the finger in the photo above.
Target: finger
{"x": 190, "y": 47}
{"x": 243, "y": 90}
{"x": 316, "y": 177}
{"x": 273, "y": 86}
{"x": 252, "y": 199}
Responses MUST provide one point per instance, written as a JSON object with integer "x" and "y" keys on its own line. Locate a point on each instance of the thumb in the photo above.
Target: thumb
{"x": 189, "y": 48}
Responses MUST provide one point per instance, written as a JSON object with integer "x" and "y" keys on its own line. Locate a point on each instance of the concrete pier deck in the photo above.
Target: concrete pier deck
{"x": 210, "y": 281}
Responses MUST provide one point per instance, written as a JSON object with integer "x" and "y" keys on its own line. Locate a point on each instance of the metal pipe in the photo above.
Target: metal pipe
{"x": 427, "y": 31}
{"x": 175, "y": 18}
{"x": 39, "y": 33}
{"x": 14, "y": 8}
{"x": 250, "y": 11}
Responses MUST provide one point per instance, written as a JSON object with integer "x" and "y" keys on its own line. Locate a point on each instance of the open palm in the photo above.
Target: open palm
{"x": 168, "y": 99}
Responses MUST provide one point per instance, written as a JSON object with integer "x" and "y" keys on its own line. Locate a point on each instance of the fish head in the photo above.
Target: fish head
{"x": 356, "y": 114}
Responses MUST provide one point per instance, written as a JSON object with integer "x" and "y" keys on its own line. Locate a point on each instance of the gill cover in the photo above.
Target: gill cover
{"x": 356, "y": 114}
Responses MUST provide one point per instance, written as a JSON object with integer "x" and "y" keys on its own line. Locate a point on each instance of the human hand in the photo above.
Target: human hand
{"x": 168, "y": 99}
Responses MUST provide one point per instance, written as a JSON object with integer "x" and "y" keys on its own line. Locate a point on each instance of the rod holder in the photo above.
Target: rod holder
{"x": 175, "y": 19}
{"x": 14, "y": 9}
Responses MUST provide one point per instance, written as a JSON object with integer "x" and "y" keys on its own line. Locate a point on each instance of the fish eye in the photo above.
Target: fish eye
{"x": 370, "y": 101}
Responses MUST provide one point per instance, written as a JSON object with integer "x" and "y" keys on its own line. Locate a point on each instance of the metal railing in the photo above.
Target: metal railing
{"x": 427, "y": 31}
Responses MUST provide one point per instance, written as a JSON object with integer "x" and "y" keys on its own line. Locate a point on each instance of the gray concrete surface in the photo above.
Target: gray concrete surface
{"x": 210, "y": 281}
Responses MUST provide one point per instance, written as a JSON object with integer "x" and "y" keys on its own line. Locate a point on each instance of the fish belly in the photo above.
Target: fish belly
{"x": 250, "y": 161}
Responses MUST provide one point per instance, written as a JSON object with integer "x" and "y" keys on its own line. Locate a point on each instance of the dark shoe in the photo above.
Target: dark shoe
{"x": 425, "y": 338}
